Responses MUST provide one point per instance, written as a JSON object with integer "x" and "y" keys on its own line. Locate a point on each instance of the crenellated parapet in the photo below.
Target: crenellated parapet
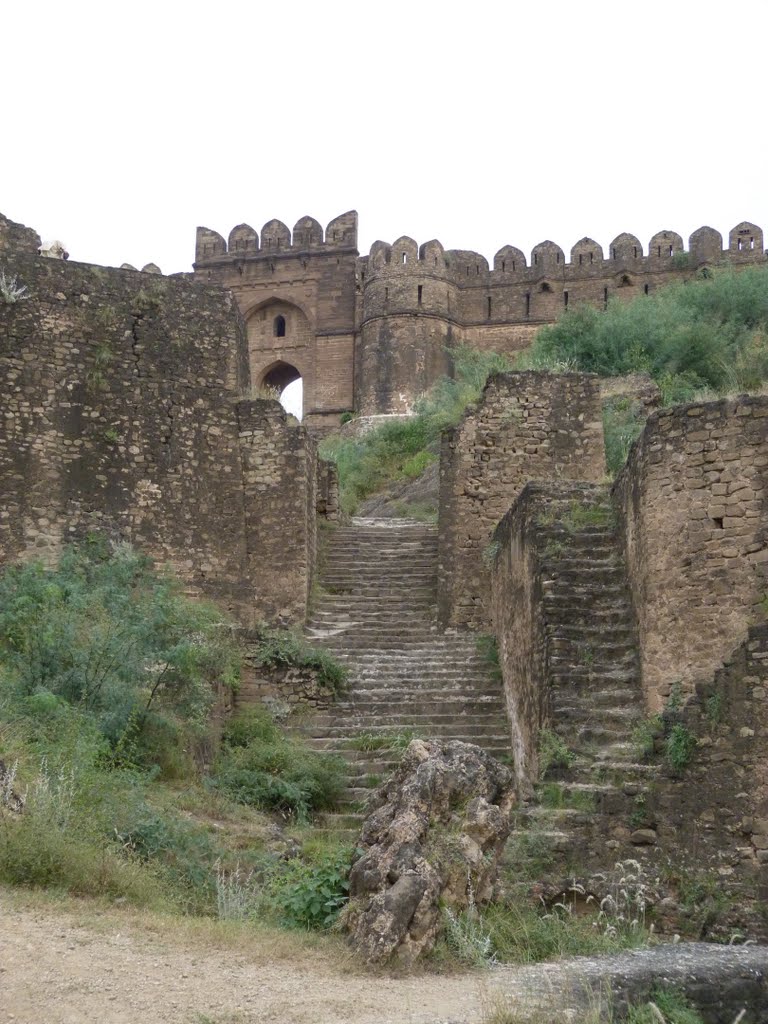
{"x": 276, "y": 239}
{"x": 588, "y": 259}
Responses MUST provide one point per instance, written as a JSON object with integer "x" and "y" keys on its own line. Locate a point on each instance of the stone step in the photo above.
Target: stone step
{"x": 620, "y": 630}
{"x": 384, "y": 760}
{"x": 325, "y": 723}
{"x": 625, "y": 696}
{"x": 340, "y": 821}
{"x": 582, "y": 676}
{"x": 382, "y": 618}
{"x": 341, "y": 737}
{"x": 340, "y": 604}
{"x": 424, "y": 702}
{"x": 585, "y": 575}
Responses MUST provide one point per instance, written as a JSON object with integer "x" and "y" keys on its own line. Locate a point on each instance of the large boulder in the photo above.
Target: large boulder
{"x": 433, "y": 840}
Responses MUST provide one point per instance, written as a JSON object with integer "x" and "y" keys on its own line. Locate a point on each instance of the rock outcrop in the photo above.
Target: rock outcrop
{"x": 434, "y": 838}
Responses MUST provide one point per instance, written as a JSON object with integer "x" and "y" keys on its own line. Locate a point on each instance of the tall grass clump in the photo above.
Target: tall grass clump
{"x": 403, "y": 449}
{"x": 262, "y": 767}
{"x": 706, "y": 335}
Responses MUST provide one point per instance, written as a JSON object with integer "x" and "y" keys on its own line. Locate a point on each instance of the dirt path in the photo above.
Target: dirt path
{"x": 70, "y": 966}
{"x": 77, "y": 963}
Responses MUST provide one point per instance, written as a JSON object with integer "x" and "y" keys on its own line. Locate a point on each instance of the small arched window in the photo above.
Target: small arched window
{"x": 280, "y": 326}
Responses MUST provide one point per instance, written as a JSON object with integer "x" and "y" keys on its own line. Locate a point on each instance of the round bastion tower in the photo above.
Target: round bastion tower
{"x": 409, "y": 323}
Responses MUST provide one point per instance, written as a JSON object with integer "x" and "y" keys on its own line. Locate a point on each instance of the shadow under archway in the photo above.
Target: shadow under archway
{"x": 276, "y": 381}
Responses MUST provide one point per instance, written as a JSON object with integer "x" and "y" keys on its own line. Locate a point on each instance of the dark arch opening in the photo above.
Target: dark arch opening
{"x": 278, "y": 376}
{"x": 280, "y": 326}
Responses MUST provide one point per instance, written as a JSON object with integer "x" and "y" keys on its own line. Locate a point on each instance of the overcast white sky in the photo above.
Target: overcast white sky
{"x": 481, "y": 124}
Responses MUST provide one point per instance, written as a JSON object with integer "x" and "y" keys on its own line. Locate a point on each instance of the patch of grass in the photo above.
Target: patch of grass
{"x": 553, "y": 753}
{"x": 553, "y": 549}
{"x": 623, "y": 422}
{"x": 524, "y": 934}
{"x": 11, "y": 291}
{"x": 555, "y": 796}
{"x": 368, "y": 742}
{"x": 488, "y": 649}
{"x": 274, "y": 648}
{"x": 666, "y": 1004}
{"x": 714, "y": 707}
{"x": 645, "y": 734}
{"x": 577, "y": 516}
{"x": 261, "y": 767}
{"x": 490, "y": 554}
{"x": 402, "y": 449}
{"x": 397, "y": 740}
{"x": 423, "y": 511}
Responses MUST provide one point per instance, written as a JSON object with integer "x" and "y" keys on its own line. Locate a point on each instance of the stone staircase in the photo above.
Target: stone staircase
{"x": 376, "y": 613}
{"x": 588, "y": 812}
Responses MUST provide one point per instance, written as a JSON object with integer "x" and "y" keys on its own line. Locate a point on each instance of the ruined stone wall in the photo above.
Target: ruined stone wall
{"x": 715, "y": 809}
{"x": 279, "y": 466}
{"x": 526, "y": 426}
{"x": 519, "y": 627}
{"x": 692, "y": 500}
{"x": 17, "y": 238}
{"x": 120, "y": 412}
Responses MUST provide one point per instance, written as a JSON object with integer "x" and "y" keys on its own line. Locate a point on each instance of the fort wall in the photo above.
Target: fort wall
{"x": 526, "y": 426}
{"x": 692, "y": 502}
{"x": 122, "y": 413}
{"x": 372, "y": 333}
{"x": 298, "y": 296}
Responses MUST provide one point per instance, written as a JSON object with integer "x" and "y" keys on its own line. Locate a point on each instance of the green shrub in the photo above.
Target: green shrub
{"x": 679, "y": 747}
{"x": 702, "y": 334}
{"x": 275, "y": 648}
{"x": 261, "y": 767}
{"x": 645, "y": 734}
{"x": 553, "y": 753}
{"x": 108, "y": 634}
{"x": 311, "y": 895}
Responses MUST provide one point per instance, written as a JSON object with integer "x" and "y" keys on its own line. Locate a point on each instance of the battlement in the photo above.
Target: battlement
{"x": 665, "y": 251}
{"x": 276, "y": 239}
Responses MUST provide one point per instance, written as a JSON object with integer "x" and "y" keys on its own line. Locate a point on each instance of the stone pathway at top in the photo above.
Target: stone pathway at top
{"x": 377, "y": 614}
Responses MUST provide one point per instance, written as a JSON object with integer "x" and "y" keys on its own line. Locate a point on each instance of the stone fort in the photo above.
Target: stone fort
{"x": 369, "y": 334}
{"x": 126, "y": 410}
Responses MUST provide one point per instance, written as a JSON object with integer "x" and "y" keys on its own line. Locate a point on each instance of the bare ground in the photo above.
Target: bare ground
{"x": 72, "y": 963}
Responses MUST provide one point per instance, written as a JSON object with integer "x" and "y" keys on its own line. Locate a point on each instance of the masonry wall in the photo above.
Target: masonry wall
{"x": 692, "y": 500}
{"x": 307, "y": 276}
{"x": 715, "y": 811}
{"x": 526, "y": 426}
{"x": 17, "y": 238}
{"x": 279, "y": 467}
{"x": 519, "y": 627}
{"x": 120, "y": 413}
